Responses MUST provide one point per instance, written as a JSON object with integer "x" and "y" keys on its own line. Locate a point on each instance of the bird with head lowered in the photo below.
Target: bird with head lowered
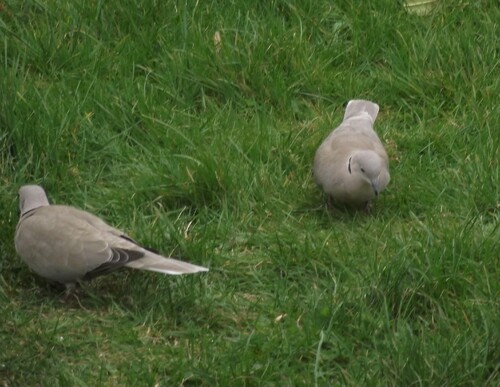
{"x": 351, "y": 164}
{"x": 66, "y": 245}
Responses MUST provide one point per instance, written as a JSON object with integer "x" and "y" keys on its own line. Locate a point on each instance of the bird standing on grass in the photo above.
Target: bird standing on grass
{"x": 351, "y": 165}
{"x": 66, "y": 245}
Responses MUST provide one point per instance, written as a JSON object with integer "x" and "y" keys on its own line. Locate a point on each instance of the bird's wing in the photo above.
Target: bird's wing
{"x": 59, "y": 243}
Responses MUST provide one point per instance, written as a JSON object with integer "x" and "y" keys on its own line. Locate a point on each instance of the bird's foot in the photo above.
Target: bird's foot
{"x": 71, "y": 293}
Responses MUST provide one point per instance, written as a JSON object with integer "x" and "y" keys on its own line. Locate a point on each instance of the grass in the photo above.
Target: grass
{"x": 204, "y": 151}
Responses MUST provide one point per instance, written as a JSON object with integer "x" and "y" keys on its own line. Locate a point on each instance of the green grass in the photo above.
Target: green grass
{"x": 205, "y": 153}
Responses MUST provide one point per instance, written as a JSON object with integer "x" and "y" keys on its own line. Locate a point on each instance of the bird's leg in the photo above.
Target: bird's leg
{"x": 70, "y": 288}
{"x": 70, "y": 292}
{"x": 330, "y": 202}
{"x": 368, "y": 207}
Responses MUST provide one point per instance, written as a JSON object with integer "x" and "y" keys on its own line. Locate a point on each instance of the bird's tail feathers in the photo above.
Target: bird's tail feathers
{"x": 157, "y": 263}
{"x": 360, "y": 107}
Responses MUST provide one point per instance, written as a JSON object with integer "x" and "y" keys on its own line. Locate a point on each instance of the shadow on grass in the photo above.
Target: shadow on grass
{"x": 135, "y": 294}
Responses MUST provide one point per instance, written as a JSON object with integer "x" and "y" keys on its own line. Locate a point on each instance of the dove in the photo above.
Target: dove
{"x": 351, "y": 165}
{"x": 66, "y": 245}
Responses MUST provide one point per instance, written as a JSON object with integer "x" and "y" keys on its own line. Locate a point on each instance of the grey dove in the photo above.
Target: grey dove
{"x": 66, "y": 245}
{"x": 351, "y": 165}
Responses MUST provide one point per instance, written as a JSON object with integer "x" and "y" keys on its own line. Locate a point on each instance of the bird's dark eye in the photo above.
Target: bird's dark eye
{"x": 363, "y": 170}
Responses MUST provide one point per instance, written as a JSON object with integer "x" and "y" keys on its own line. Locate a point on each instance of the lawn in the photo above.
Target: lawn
{"x": 192, "y": 126}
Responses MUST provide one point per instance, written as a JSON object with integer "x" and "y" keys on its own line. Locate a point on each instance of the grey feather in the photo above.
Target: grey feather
{"x": 64, "y": 244}
{"x": 351, "y": 165}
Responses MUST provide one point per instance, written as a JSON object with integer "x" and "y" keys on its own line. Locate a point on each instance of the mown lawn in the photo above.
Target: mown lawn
{"x": 192, "y": 126}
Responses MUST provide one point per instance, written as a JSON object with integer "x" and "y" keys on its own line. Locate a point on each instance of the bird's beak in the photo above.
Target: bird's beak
{"x": 374, "y": 188}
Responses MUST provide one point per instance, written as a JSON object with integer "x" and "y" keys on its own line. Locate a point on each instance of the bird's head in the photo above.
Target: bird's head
{"x": 31, "y": 197}
{"x": 371, "y": 168}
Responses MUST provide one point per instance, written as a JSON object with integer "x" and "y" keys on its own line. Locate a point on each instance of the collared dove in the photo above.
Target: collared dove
{"x": 64, "y": 244}
{"x": 351, "y": 165}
